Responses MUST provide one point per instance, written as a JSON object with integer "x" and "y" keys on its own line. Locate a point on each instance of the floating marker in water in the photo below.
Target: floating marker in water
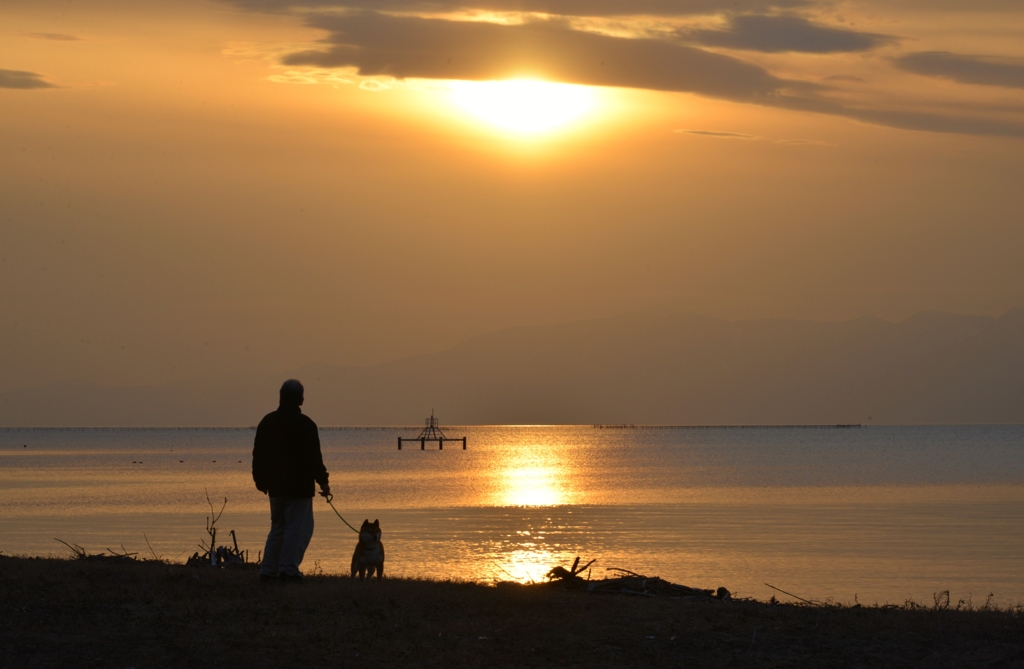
{"x": 432, "y": 432}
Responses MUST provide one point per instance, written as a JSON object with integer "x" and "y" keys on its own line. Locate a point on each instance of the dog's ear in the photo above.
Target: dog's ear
{"x": 376, "y": 523}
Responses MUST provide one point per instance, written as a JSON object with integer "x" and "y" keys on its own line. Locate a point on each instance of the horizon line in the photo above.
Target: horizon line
{"x": 595, "y": 426}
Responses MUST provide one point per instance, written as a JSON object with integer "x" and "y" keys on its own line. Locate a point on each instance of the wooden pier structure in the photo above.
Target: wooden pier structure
{"x": 432, "y": 433}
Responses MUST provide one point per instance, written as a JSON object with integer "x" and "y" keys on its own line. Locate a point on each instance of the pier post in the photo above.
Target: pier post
{"x": 440, "y": 444}
{"x": 423, "y": 444}
{"x": 463, "y": 443}
{"x": 399, "y": 443}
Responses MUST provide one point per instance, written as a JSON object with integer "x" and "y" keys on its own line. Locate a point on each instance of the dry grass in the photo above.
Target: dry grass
{"x": 128, "y": 613}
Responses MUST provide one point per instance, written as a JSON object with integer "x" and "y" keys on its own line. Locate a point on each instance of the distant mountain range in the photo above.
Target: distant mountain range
{"x": 647, "y": 368}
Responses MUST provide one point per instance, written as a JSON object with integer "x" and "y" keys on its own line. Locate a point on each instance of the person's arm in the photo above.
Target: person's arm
{"x": 320, "y": 474}
{"x": 259, "y": 458}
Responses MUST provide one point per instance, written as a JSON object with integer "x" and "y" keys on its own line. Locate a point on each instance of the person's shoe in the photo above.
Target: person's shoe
{"x": 291, "y": 578}
{"x": 267, "y": 578}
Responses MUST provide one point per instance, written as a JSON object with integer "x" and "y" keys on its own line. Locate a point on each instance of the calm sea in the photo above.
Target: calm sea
{"x": 880, "y": 514}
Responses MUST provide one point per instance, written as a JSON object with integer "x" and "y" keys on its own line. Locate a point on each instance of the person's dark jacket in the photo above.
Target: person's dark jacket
{"x": 286, "y": 457}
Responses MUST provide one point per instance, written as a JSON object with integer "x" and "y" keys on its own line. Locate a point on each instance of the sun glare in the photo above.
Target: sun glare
{"x": 531, "y": 486}
{"x": 523, "y": 106}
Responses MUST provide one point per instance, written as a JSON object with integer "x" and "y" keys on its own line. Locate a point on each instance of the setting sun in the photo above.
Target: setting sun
{"x": 523, "y": 105}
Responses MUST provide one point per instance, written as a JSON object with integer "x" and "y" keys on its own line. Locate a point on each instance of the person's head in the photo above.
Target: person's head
{"x": 291, "y": 393}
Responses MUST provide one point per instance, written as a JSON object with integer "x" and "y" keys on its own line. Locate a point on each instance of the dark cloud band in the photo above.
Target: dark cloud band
{"x": 774, "y": 34}
{"x": 23, "y": 80}
{"x": 554, "y": 7}
{"x": 405, "y": 47}
{"x": 964, "y": 68}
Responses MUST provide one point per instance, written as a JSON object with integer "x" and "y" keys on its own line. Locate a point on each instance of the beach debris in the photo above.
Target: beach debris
{"x": 573, "y": 572}
{"x": 77, "y": 550}
{"x": 627, "y": 582}
{"x": 222, "y": 556}
{"x": 632, "y": 583}
{"x": 123, "y": 554}
{"x": 150, "y": 546}
{"x": 213, "y": 555}
{"x": 809, "y": 602}
{"x": 80, "y": 553}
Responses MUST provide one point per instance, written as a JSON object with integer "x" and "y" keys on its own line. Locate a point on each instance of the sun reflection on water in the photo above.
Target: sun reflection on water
{"x": 530, "y": 475}
{"x": 533, "y": 475}
{"x": 531, "y": 486}
{"x": 525, "y": 565}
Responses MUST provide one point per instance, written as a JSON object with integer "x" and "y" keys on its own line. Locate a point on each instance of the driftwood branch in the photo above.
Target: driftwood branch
{"x": 806, "y": 601}
{"x": 153, "y": 552}
{"x": 625, "y": 571}
{"x": 81, "y": 554}
{"x": 124, "y": 553}
{"x": 75, "y": 548}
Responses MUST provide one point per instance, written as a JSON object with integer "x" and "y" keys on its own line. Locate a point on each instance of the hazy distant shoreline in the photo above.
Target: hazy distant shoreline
{"x": 640, "y": 369}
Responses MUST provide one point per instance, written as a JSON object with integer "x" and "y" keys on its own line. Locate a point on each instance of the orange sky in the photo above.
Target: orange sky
{"x": 196, "y": 188}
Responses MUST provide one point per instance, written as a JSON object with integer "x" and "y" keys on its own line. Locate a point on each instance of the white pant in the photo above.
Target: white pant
{"x": 291, "y": 528}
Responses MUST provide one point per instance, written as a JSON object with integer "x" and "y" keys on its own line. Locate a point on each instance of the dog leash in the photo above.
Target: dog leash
{"x": 330, "y": 497}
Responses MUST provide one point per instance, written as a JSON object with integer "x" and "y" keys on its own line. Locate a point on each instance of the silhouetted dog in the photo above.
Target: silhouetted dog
{"x": 369, "y": 555}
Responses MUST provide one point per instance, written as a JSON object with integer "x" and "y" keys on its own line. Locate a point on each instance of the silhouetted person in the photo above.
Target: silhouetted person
{"x": 286, "y": 461}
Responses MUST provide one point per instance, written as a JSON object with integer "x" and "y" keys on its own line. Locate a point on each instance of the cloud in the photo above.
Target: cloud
{"x": 845, "y": 77}
{"x": 961, "y": 125}
{"x": 773, "y": 34}
{"x": 983, "y": 70}
{"x": 904, "y": 119}
{"x": 23, "y": 80}
{"x": 738, "y": 135}
{"x": 951, "y": 6}
{"x": 803, "y": 142}
{"x": 715, "y": 133}
{"x": 590, "y": 8}
{"x": 309, "y": 76}
{"x": 403, "y": 47}
{"x": 373, "y": 85}
{"x": 56, "y": 37}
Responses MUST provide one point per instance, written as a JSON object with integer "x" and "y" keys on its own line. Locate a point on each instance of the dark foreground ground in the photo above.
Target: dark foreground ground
{"x": 122, "y": 613}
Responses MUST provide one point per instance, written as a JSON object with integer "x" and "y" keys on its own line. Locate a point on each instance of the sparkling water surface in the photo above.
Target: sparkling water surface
{"x": 880, "y": 514}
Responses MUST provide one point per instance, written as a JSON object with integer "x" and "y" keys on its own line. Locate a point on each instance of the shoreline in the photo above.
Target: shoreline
{"x": 138, "y": 613}
{"x": 719, "y": 557}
